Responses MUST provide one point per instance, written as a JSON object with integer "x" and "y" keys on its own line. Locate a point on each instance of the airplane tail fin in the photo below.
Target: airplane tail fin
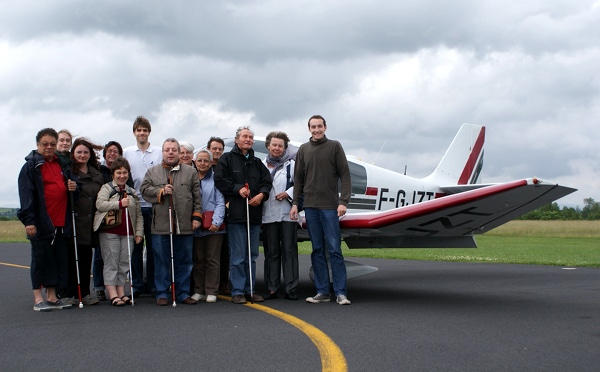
{"x": 463, "y": 160}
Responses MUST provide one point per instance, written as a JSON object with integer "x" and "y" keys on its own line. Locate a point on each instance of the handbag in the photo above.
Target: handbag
{"x": 207, "y": 220}
{"x": 111, "y": 220}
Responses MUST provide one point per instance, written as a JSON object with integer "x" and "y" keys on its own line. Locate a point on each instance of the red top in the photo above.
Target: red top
{"x": 55, "y": 191}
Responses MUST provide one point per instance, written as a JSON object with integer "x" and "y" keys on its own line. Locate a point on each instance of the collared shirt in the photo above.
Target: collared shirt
{"x": 140, "y": 161}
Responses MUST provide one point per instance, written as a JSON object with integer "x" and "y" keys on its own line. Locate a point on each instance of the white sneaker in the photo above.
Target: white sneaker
{"x": 199, "y": 297}
{"x": 320, "y": 297}
{"x": 343, "y": 300}
{"x": 211, "y": 298}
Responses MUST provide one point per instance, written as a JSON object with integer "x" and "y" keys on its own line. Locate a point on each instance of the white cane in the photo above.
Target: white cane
{"x": 249, "y": 248}
{"x": 129, "y": 253}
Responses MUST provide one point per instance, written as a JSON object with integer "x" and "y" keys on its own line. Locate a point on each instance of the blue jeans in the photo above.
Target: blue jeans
{"x": 324, "y": 230}
{"x": 97, "y": 269}
{"x": 182, "y": 258}
{"x": 238, "y": 257}
{"x": 137, "y": 258}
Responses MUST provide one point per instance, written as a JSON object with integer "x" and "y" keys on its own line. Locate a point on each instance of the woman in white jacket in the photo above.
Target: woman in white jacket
{"x": 116, "y": 196}
{"x": 279, "y": 231}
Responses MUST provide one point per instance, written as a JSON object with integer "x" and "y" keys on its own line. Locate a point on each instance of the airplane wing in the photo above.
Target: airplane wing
{"x": 450, "y": 221}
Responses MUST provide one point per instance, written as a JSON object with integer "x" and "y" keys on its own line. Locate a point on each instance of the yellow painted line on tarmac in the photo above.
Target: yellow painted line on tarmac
{"x": 332, "y": 358}
{"x": 13, "y": 265}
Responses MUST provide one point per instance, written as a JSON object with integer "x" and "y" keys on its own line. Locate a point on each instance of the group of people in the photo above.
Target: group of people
{"x": 198, "y": 215}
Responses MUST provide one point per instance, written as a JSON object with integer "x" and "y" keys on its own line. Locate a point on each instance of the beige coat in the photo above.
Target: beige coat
{"x": 104, "y": 204}
{"x": 186, "y": 198}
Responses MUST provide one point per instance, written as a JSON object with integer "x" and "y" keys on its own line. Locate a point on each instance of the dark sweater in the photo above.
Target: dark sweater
{"x": 319, "y": 167}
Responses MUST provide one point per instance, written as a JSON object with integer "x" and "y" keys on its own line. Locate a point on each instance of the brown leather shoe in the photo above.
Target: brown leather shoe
{"x": 190, "y": 301}
{"x": 255, "y": 298}
{"x": 162, "y": 302}
{"x": 238, "y": 299}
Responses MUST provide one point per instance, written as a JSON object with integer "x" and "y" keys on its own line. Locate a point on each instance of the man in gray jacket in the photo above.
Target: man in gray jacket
{"x": 174, "y": 191}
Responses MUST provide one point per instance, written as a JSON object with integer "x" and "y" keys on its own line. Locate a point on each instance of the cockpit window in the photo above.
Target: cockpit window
{"x": 358, "y": 173}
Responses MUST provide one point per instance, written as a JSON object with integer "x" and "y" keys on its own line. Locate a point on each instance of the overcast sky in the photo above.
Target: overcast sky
{"x": 398, "y": 77}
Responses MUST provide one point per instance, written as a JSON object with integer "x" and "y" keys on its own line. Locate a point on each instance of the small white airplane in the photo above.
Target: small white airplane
{"x": 443, "y": 210}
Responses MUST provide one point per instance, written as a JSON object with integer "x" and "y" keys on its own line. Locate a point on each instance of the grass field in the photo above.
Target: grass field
{"x": 561, "y": 243}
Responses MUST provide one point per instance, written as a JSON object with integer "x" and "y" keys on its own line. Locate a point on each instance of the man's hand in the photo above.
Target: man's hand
{"x": 195, "y": 225}
{"x": 245, "y": 192}
{"x": 341, "y": 210}
{"x": 255, "y": 201}
{"x": 30, "y": 230}
{"x": 294, "y": 212}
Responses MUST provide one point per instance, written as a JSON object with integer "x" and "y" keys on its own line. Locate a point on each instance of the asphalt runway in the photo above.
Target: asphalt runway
{"x": 410, "y": 315}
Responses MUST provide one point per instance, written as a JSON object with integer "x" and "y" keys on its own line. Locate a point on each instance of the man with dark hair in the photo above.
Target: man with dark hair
{"x": 320, "y": 164}
{"x": 245, "y": 183}
{"x": 43, "y": 193}
{"x": 216, "y": 145}
{"x": 141, "y": 157}
{"x": 174, "y": 191}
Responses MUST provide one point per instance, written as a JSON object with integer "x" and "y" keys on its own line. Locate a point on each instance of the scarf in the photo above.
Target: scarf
{"x": 277, "y": 162}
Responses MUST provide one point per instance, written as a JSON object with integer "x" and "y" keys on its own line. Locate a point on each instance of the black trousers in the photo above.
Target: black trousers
{"x": 281, "y": 253}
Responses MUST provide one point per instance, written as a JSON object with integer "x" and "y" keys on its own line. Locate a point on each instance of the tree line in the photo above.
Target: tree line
{"x": 590, "y": 211}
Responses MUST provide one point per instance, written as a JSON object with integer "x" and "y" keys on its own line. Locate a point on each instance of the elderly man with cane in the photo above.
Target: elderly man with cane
{"x": 245, "y": 183}
{"x": 174, "y": 192}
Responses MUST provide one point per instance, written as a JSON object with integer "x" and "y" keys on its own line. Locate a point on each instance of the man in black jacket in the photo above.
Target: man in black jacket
{"x": 43, "y": 193}
{"x": 245, "y": 183}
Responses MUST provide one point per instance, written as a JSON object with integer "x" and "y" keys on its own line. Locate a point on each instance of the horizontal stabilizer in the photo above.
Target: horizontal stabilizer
{"x": 449, "y": 221}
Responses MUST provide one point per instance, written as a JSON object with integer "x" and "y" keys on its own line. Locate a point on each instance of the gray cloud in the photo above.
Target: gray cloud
{"x": 393, "y": 78}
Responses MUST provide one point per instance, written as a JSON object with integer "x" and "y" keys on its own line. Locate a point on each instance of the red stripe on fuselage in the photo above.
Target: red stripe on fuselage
{"x": 472, "y": 161}
{"x": 385, "y": 218}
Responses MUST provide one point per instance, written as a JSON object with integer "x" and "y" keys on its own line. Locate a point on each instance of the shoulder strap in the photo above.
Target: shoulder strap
{"x": 112, "y": 192}
{"x": 290, "y": 181}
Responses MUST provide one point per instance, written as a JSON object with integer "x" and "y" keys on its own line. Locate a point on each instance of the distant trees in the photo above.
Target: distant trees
{"x": 590, "y": 211}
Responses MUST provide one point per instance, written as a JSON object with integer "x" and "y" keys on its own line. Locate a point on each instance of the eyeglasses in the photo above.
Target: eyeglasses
{"x": 202, "y": 161}
{"x": 112, "y": 151}
{"x": 47, "y": 144}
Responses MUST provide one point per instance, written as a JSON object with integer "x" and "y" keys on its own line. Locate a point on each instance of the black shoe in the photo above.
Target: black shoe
{"x": 290, "y": 296}
{"x": 270, "y": 296}
{"x": 136, "y": 293}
